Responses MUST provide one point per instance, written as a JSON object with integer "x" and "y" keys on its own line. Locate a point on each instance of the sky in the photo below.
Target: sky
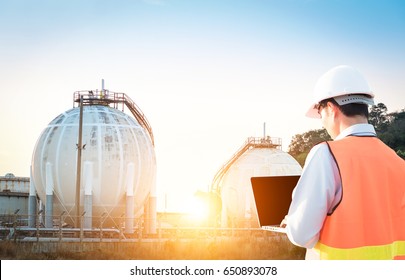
{"x": 207, "y": 74}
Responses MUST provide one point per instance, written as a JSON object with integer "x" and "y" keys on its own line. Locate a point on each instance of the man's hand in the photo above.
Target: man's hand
{"x": 283, "y": 223}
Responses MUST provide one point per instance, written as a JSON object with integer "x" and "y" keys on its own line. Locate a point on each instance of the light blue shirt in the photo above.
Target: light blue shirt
{"x": 317, "y": 192}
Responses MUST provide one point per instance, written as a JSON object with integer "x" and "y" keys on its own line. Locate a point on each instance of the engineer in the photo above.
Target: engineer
{"x": 350, "y": 200}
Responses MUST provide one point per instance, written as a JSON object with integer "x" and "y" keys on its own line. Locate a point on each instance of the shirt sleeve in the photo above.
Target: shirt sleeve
{"x": 316, "y": 193}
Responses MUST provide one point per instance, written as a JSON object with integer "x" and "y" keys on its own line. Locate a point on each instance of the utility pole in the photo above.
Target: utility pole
{"x": 79, "y": 164}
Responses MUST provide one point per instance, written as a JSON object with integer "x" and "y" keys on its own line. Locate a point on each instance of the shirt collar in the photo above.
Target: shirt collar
{"x": 363, "y": 129}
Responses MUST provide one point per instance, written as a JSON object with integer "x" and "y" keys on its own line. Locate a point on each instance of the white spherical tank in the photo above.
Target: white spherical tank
{"x": 238, "y": 206}
{"x": 118, "y": 159}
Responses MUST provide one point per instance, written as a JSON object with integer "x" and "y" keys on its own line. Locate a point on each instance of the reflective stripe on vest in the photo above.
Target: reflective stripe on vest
{"x": 369, "y": 222}
{"x": 395, "y": 250}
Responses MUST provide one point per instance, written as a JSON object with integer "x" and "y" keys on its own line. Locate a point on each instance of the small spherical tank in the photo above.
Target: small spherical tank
{"x": 118, "y": 158}
{"x": 238, "y": 208}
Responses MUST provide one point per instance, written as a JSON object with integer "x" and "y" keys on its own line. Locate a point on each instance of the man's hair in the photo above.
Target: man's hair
{"x": 349, "y": 110}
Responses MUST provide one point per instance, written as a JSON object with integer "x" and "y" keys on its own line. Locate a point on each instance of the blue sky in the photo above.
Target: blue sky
{"x": 207, "y": 74}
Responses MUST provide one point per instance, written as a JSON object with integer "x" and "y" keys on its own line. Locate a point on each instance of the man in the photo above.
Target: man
{"x": 350, "y": 200}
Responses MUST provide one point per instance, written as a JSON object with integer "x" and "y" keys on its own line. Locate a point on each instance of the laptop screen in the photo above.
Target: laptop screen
{"x": 272, "y": 196}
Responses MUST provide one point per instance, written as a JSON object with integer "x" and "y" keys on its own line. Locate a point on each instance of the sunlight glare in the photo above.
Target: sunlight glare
{"x": 197, "y": 209}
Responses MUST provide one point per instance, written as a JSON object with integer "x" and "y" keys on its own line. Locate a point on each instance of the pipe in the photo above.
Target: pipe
{"x": 264, "y": 130}
{"x": 152, "y": 209}
{"x": 49, "y": 196}
{"x": 79, "y": 164}
{"x": 152, "y": 215}
{"x": 32, "y": 202}
{"x": 130, "y": 203}
{"x": 88, "y": 193}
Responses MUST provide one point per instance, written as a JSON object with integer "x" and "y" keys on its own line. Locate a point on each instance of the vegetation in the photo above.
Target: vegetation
{"x": 246, "y": 248}
{"x": 390, "y": 128}
{"x": 301, "y": 144}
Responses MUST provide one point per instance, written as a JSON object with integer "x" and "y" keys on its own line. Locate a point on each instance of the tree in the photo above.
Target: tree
{"x": 378, "y": 117}
{"x": 301, "y": 144}
{"x": 394, "y": 134}
{"x": 390, "y": 128}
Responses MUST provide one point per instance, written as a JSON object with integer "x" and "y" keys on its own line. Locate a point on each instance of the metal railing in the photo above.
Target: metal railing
{"x": 251, "y": 142}
{"x": 107, "y": 98}
{"x": 16, "y": 228}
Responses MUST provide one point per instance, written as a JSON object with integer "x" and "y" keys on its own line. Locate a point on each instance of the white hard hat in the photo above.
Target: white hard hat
{"x": 345, "y": 84}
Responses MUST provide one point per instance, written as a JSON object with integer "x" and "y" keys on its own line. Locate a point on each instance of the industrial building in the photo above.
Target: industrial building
{"x": 93, "y": 170}
{"x": 258, "y": 156}
{"x": 92, "y": 167}
{"x": 13, "y": 198}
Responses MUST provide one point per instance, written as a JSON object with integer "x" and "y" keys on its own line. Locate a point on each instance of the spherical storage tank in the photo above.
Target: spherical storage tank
{"x": 257, "y": 157}
{"x": 118, "y": 159}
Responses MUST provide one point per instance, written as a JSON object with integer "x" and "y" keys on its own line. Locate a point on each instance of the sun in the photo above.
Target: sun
{"x": 198, "y": 208}
{"x": 197, "y": 211}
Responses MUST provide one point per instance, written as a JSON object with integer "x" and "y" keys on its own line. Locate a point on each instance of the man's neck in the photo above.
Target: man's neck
{"x": 349, "y": 121}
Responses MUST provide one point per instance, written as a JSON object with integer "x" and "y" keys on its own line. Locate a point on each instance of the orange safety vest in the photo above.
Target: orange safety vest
{"x": 369, "y": 221}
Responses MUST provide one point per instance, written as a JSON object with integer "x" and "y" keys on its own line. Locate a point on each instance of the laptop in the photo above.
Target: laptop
{"x": 272, "y": 196}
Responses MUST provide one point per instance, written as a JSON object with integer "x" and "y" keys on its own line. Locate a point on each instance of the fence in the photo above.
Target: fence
{"x": 16, "y": 227}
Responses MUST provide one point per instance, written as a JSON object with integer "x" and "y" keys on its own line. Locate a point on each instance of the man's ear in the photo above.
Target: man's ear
{"x": 333, "y": 108}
